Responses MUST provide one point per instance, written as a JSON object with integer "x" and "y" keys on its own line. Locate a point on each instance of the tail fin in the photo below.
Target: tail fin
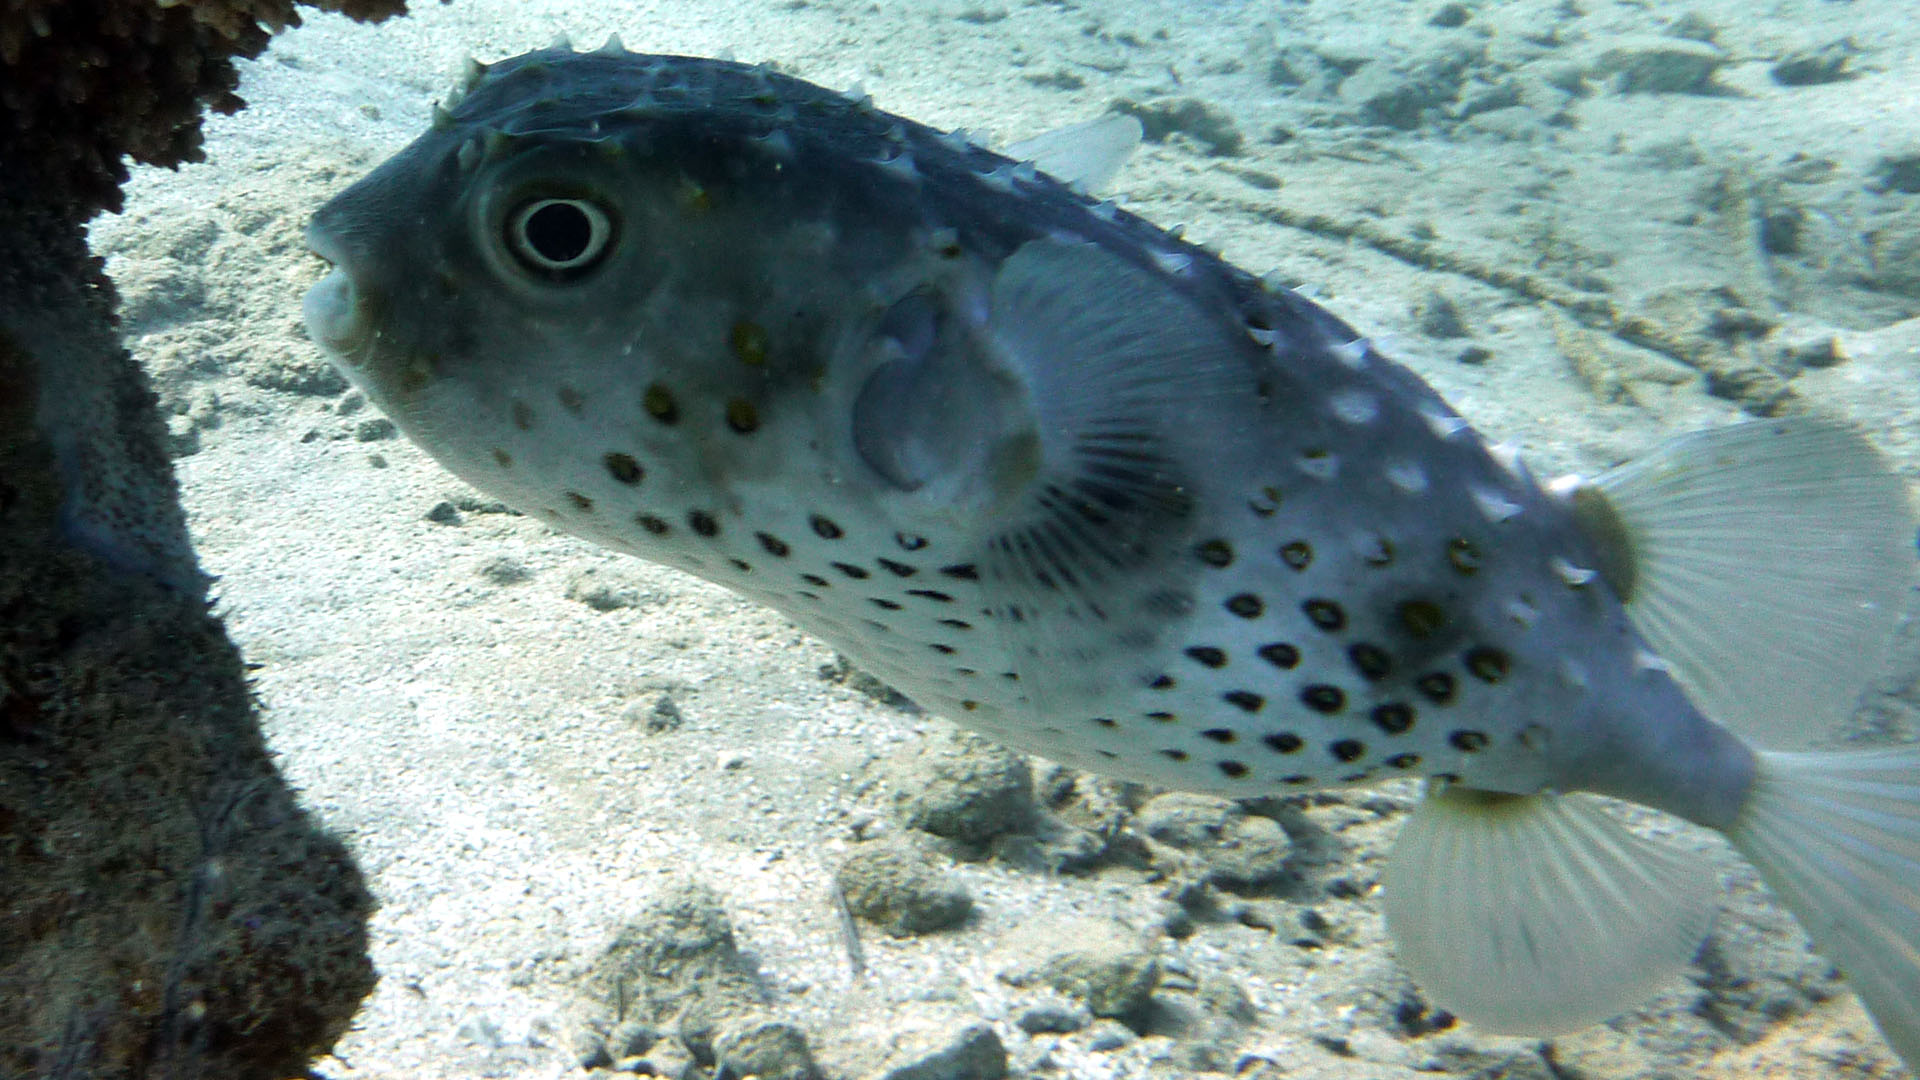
{"x": 1837, "y": 836}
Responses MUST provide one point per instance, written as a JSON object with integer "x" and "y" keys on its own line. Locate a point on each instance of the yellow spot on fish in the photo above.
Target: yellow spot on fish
{"x": 694, "y": 197}
{"x": 418, "y": 373}
{"x": 749, "y": 341}
{"x": 742, "y": 416}
{"x": 659, "y": 403}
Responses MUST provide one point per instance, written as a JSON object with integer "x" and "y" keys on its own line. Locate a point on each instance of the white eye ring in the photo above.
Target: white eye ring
{"x": 559, "y": 238}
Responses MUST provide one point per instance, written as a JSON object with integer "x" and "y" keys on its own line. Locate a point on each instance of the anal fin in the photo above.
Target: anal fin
{"x": 1538, "y": 914}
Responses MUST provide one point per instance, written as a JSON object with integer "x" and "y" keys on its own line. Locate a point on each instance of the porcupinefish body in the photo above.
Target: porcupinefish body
{"x": 1065, "y": 478}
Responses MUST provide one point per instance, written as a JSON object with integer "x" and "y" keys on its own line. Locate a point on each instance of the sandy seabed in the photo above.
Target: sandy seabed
{"x": 466, "y": 695}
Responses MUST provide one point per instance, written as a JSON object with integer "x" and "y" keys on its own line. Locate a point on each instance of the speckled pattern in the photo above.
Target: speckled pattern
{"x": 1213, "y": 540}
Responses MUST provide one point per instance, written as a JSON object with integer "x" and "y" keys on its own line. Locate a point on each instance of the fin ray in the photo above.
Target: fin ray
{"x": 1765, "y": 561}
{"x": 1121, "y": 372}
{"x": 1538, "y": 914}
{"x": 1837, "y": 837}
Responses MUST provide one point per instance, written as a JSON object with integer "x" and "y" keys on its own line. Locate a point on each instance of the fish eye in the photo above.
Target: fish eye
{"x": 559, "y": 239}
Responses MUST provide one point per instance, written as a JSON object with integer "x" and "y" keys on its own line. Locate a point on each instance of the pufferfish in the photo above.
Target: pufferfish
{"x": 1074, "y": 482}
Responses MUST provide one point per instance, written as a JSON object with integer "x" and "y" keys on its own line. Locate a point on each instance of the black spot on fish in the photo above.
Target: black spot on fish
{"x": 1468, "y": 741}
{"x": 1394, "y": 718}
{"x": 1284, "y": 742}
{"x": 1215, "y": 553}
{"x": 1298, "y": 554}
{"x": 1208, "y": 655}
{"x": 1323, "y": 698}
{"x": 1221, "y": 735}
{"x": 1245, "y": 700}
{"x": 1347, "y": 750}
{"x": 1421, "y": 618}
{"x": 1487, "y": 664}
{"x": 825, "y": 528}
{"x": 580, "y": 502}
{"x": 858, "y": 573}
{"x": 1325, "y": 614}
{"x": 623, "y": 468}
{"x": 1246, "y": 605}
{"x": 703, "y": 523}
{"x": 898, "y": 569}
{"x": 1234, "y": 770}
{"x": 1281, "y": 655}
{"x": 1438, "y": 687}
{"x": 1371, "y": 661}
{"x": 1463, "y": 555}
{"x": 653, "y": 524}
{"x": 773, "y": 544}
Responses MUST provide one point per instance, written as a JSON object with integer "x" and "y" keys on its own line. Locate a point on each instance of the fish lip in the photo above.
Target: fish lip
{"x": 334, "y": 309}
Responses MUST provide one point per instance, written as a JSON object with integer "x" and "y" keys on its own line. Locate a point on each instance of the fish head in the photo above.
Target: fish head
{"x": 563, "y": 289}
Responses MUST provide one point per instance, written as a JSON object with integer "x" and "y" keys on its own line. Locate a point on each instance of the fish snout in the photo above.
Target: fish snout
{"x": 334, "y": 309}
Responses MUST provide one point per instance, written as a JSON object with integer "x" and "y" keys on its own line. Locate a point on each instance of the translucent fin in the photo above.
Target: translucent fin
{"x": 1127, "y": 381}
{"x": 1538, "y": 914}
{"x": 1837, "y": 835}
{"x": 1766, "y": 562}
{"x": 1118, "y": 367}
{"x": 1085, "y": 155}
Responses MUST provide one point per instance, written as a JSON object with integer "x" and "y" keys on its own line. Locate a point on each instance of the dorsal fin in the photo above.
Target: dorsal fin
{"x": 1085, "y": 155}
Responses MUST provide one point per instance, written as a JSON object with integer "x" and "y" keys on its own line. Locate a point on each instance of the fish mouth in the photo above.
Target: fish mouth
{"x": 335, "y": 310}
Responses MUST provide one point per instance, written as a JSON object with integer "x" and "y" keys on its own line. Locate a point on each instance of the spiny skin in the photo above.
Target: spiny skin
{"x": 840, "y": 363}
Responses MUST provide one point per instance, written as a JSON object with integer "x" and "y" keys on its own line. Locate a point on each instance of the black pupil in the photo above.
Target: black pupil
{"x": 558, "y": 232}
